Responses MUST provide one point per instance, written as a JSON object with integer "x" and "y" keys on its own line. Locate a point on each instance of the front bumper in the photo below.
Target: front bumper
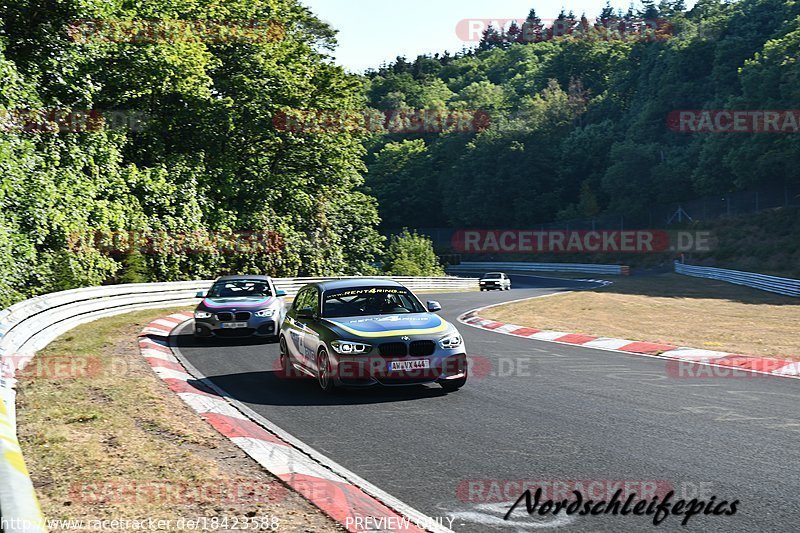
{"x": 373, "y": 369}
{"x": 256, "y": 327}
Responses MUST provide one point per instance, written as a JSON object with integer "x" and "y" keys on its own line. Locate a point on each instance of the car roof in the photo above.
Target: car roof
{"x": 245, "y": 278}
{"x": 359, "y": 282}
{"x": 490, "y": 273}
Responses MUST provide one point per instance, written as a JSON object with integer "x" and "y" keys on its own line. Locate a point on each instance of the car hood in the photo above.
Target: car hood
{"x": 254, "y": 302}
{"x": 381, "y": 326}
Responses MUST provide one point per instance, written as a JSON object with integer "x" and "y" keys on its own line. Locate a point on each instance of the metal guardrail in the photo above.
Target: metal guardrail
{"x": 483, "y": 267}
{"x": 29, "y": 326}
{"x": 785, "y": 286}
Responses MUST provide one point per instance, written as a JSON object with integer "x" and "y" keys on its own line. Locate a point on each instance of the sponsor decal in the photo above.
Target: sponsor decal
{"x": 392, "y": 325}
{"x": 238, "y": 302}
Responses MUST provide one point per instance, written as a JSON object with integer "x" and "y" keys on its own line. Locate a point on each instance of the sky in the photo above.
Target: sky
{"x": 374, "y": 31}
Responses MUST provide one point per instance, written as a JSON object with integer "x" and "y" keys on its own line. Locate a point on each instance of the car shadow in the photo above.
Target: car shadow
{"x": 190, "y": 341}
{"x": 271, "y": 387}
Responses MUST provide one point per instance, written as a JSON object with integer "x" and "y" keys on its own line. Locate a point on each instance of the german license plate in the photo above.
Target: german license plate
{"x": 404, "y": 366}
{"x": 233, "y": 325}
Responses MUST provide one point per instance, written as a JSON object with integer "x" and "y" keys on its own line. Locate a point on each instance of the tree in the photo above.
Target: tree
{"x": 532, "y": 28}
{"x": 401, "y": 181}
{"x": 514, "y": 33}
{"x": 410, "y": 254}
{"x": 650, "y": 10}
{"x": 491, "y": 38}
{"x": 134, "y": 268}
{"x": 210, "y": 159}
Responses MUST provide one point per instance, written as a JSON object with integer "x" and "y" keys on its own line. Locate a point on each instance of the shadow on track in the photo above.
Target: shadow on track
{"x": 272, "y": 388}
{"x": 190, "y": 341}
{"x": 269, "y": 385}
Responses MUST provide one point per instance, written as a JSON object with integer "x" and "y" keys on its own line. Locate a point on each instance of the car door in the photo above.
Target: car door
{"x": 296, "y": 327}
{"x": 311, "y": 337}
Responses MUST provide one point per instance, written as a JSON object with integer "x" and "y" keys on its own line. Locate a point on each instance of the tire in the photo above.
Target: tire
{"x": 454, "y": 384}
{"x": 325, "y": 372}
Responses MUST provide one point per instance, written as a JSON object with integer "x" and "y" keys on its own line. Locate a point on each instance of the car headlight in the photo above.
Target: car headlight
{"x": 350, "y": 348}
{"x": 265, "y": 313}
{"x": 202, "y": 314}
{"x": 451, "y": 341}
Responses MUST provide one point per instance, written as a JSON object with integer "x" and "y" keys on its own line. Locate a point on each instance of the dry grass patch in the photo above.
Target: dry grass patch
{"x": 670, "y": 309}
{"x": 104, "y": 438}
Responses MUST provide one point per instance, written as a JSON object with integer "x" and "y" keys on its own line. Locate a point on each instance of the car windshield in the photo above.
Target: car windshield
{"x": 493, "y": 276}
{"x": 239, "y": 289}
{"x": 365, "y": 301}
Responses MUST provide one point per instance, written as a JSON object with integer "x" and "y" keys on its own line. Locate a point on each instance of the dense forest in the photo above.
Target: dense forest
{"x": 181, "y": 141}
{"x": 207, "y": 160}
{"x": 579, "y": 123}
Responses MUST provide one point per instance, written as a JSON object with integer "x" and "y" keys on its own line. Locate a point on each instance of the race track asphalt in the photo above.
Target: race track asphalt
{"x": 544, "y": 413}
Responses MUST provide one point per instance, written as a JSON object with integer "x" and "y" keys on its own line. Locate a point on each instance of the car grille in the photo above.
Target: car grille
{"x": 422, "y": 348}
{"x": 242, "y": 316}
{"x": 401, "y": 349}
{"x": 393, "y": 349}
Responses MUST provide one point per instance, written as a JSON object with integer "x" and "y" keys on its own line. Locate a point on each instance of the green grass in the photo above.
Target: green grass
{"x": 120, "y": 423}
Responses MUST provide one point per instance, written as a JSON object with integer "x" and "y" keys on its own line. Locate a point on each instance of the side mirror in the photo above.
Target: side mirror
{"x": 305, "y": 313}
{"x": 201, "y": 294}
{"x": 434, "y": 306}
{"x": 280, "y": 293}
